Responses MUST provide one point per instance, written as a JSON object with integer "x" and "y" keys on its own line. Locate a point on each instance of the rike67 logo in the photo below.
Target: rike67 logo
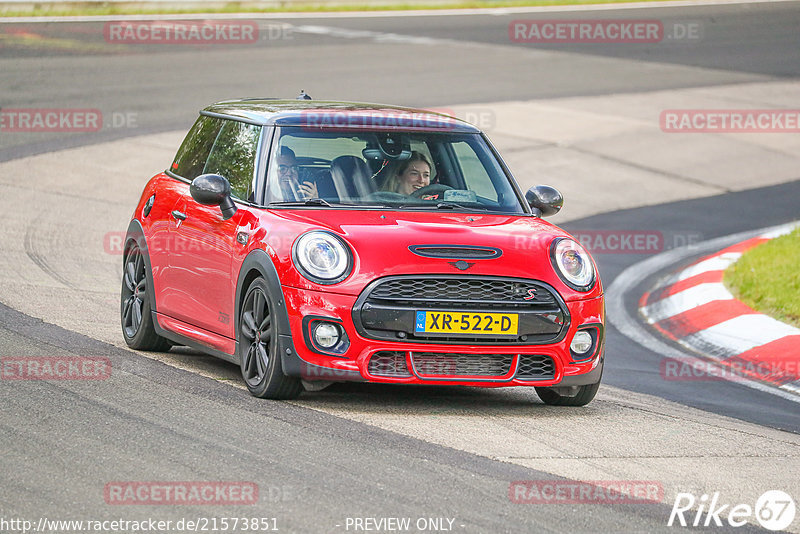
{"x": 774, "y": 510}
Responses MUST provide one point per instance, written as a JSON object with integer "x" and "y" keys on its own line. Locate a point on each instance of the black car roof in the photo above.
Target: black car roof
{"x": 339, "y": 115}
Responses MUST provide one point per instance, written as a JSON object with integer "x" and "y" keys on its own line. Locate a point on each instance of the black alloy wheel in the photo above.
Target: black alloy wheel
{"x": 135, "y": 304}
{"x": 258, "y": 347}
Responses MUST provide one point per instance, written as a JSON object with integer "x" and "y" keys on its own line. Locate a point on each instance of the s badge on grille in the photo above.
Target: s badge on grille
{"x": 527, "y": 293}
{"x": 461, "y": 265}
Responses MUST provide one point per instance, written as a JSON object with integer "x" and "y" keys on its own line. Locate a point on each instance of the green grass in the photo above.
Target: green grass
{"x": 85, "y": 8}
{"x": 767, "y": 278}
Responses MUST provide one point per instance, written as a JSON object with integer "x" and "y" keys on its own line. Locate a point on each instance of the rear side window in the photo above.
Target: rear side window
{"x": 233, "y": 156}
{"x": 191, "y": 157}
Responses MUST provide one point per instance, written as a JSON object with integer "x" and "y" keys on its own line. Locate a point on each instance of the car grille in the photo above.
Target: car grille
{"x": 428, "y": 364}
{"x": 463, "y": 292}
{"x": 389, "y": 363}
{"x": 431, "y": 365}
{"x": 387, "y": 308}
{"x": 535, "y": 367}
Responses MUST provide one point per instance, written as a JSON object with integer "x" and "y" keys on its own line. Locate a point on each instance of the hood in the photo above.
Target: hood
{"x": 383, "y": 244}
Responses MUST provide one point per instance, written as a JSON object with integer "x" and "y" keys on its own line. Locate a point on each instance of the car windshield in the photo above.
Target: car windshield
{"x": 395, "y": 170}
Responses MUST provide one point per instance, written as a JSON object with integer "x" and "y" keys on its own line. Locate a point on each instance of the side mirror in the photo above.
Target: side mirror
{"x": 544, "y": 200}
{"x": 213, "y": 190}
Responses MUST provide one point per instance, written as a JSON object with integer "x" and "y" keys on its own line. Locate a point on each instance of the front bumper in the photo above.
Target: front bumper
{"x": 410, "y": 362}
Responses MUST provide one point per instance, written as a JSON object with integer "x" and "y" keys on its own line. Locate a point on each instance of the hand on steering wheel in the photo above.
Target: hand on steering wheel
{"x": 431, "y": 192}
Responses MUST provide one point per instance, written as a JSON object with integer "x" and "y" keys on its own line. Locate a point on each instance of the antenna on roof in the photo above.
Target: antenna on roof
{"x": 303, "y": 96}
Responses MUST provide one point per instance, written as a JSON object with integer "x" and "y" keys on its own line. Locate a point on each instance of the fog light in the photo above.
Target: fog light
{"x": 326, "y": 335}
{"x": 581, "y": 343}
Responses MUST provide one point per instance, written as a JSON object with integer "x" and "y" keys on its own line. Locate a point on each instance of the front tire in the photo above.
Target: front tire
{"x": 136, "y": 317}
{"x": 258, "y": 347}
{"x": 585, "y": 395}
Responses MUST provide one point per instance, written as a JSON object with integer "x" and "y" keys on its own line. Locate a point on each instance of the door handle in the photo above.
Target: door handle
{"x": 179, "y": 215}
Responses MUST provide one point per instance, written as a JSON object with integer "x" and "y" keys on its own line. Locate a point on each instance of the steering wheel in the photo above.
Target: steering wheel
{"x": 432, "y": 190}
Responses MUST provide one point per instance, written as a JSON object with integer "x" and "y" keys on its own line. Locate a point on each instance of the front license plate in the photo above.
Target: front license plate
{"x": 440, "y": 322}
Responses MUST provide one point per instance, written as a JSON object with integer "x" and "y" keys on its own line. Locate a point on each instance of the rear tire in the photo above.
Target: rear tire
{"x": 135, "y": 315}
{"x": 584, "y": 396}
{"x": 258, "y": 347}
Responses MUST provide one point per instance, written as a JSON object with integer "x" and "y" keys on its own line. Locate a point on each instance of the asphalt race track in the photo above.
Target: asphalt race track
{"x": 583, "y": 117}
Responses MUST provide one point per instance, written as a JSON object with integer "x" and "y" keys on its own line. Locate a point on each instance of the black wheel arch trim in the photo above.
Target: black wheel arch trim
{"x": 135, "y": 233}
{"x": 592, "y": 377}
{"x": 259, "y": 260}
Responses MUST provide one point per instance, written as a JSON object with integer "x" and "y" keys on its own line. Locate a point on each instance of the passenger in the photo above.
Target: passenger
{"x": 289, "y": 178}
{"x": 412, "y": 174}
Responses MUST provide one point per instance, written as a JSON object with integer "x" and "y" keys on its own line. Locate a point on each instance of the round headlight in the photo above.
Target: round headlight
{"x": 322, "y": 257}
{"x": 573, "y": 264}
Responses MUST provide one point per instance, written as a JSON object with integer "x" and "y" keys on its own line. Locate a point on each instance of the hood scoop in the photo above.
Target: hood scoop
{"x": 456, "y": 252}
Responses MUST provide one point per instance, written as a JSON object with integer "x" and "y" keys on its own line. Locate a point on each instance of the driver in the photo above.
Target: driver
{"x": 412, "y": 174}
{"x": 289, "y": 180}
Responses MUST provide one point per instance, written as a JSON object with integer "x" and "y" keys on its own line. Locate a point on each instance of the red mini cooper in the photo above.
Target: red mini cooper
{"x": 314, "y": 242}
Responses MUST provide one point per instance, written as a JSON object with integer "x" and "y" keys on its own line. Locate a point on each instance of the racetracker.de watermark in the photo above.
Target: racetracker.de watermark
{"x": 140, "y": 526}
{"x": 193, "y": 241}
{"x": 63, "y": 120}
{"x": 187, "y": 32}
{"x": 55, "y": 368}
{"x": 170, "y": 493}
{"x": 619, "y": 241}
{"x": 696, "y": 370}
{"x": 730, "y": 121}
{"x": 50, "y": 120}
{"x": 484, "y": 118}
{"x": 598, "y": 31}
{"x": 378, "y": 119}
{"x": 585, "y": 492}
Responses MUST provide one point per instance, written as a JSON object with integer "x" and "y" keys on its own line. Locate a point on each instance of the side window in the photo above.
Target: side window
{"x": 193, "y": 153}
{"x": 234, "y": 156}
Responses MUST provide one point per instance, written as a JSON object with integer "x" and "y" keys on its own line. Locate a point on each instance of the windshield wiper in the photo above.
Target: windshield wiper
{"x": 449, "y": 204}
{"x": 442, "y": 206}
{"x": 307, "y": 202}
